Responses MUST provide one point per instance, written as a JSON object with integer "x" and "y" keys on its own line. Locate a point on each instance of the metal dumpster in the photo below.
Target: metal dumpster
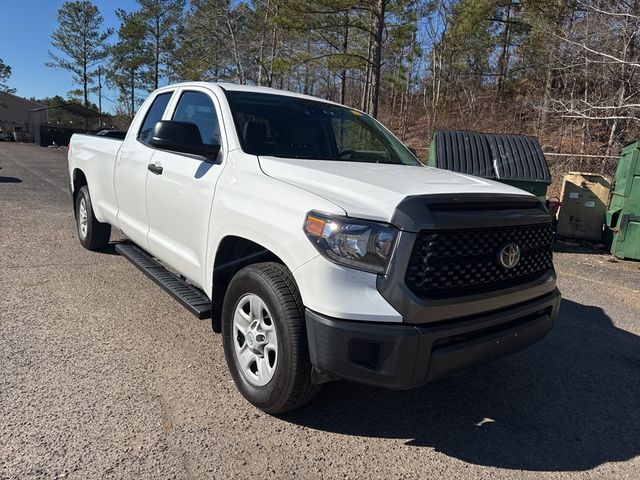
{"x": 623, "y": 214}
{"x": 516, "y": 160}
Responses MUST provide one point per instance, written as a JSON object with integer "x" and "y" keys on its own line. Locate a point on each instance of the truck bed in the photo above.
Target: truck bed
{"x": 96, "y": 157}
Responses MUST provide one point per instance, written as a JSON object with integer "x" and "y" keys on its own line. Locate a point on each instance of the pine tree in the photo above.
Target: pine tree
{"x": 127, "y": 61}
{"x": 81, "y": 41}
{"x": 159, "y": 20}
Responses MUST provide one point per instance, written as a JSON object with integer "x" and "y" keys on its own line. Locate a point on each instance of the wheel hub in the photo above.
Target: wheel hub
{"x": 83, "y": 218}
{"x": 255, "y": 340}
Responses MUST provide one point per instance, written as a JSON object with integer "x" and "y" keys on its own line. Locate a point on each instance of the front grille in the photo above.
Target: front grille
{"x": 456, "y": 262}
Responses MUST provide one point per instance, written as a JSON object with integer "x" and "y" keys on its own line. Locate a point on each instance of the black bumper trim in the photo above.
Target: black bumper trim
{"x": 401, "y": 356}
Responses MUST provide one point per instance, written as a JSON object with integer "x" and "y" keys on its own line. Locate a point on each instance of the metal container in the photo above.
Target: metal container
{"x": 623, "y": 214}
{"x": 516, "y": 160}
{"x": 584, "y": 200}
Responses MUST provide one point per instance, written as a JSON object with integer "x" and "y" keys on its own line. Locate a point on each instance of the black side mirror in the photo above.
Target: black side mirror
{"x": 182, "y": 137}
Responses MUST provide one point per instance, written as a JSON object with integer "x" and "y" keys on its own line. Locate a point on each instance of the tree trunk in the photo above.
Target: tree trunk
{"x": 85, "y": 85}
{"x": 133, "y": 93}
{"x": 364, "y": 104}
{"x": 585, "y": 93}
{"x": 437, "y": 55}
{"x": 378, "y": 31}
{"x": 345, "y": 49}
{"x": 394, "y": 95}
{"x": 503, "y": 62}
{"x": 85, "y": 82}
{"x": 100, "y": 96}
{"x": 261, "y": 50}
{"x": 274, "y": 38}
{"x": 156, "y": 66}
{"x": 542, "y": 118}
{"x": 407, "y": 94}
{"x": 308, "y": 69}
{"x": 236, "y": 54}
{"x": 552, "y": 46}
{"x": 626, "y": 76}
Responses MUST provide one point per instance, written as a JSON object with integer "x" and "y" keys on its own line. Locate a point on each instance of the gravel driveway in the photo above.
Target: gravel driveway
{"x": 102, "y": 375}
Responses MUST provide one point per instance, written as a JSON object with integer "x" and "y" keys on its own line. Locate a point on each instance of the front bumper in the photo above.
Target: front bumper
{"x": 404, "y": 356}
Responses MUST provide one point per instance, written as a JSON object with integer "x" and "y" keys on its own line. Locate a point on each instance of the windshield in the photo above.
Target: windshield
{"x": 290, "y": 127}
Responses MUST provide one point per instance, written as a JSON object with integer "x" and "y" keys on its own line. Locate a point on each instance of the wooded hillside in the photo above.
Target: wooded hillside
{"x": 564, "y": 70}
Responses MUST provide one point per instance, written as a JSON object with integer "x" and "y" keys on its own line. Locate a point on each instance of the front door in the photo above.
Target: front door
{"x": 180, "y": 189}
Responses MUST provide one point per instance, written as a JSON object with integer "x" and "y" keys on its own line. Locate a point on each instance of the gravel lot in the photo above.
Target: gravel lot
{"x": 102, "y": 375}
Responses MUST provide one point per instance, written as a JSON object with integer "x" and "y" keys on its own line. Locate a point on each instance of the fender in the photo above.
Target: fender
{"x": 253, "y": 206}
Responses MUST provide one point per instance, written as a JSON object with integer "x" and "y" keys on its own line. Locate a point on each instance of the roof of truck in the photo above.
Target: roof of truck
{"x": 272, "y": 91}
{"x": 250, "y": 88}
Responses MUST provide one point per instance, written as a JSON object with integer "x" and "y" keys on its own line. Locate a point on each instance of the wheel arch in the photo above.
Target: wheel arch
{"x": 79, "y": 180}
{"x": 234, "y": 253}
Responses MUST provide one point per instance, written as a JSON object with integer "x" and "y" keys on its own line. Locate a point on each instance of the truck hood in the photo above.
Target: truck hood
{"x": 373, "y": 190}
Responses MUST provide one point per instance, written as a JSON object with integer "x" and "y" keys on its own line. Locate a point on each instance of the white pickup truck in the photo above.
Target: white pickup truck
{"x": 315, "y": 240}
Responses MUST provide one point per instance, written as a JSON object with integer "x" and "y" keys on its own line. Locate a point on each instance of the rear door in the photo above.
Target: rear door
{"x": 130, "y": 175}
{"x": 179, "y": 199}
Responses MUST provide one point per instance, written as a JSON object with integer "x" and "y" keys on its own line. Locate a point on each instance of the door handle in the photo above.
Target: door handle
{"x": 157, "y": 169}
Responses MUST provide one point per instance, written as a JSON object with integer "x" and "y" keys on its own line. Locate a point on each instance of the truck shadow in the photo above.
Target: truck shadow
{"x": 569, "y": 403}
{"x": 110, "y": 249}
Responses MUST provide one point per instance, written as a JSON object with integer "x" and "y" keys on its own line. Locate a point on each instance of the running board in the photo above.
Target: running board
{"x": 191, "y": 297}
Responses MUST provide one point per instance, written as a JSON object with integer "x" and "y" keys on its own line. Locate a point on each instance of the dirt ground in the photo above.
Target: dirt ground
{"x": 102, "y": 375}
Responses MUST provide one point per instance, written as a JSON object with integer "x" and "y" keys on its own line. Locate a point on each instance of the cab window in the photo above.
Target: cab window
{"x": 197, "y": 107}
{"x": 154, "y": 115}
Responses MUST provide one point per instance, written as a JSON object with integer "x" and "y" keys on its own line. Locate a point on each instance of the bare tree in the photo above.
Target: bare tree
{"x": 600, "y": 59}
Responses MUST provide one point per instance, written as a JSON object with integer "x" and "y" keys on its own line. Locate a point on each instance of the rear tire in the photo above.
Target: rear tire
{"x": 263, "y": 316}
{"x": 93, "y": 235}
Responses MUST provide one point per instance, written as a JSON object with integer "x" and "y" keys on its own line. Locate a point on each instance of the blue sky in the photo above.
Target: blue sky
{"x": 25, "y": 39}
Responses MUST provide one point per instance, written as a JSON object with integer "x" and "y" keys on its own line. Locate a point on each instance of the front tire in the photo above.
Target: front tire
{"x": 264, "y": 338}
{"x": 93, "y": 235}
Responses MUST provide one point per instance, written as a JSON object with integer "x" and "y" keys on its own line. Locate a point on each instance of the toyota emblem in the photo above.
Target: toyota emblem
{"x": 509, "y": 256}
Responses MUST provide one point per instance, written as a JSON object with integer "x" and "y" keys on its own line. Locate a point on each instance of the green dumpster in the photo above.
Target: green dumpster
{"x": 516, "y": 160}
{"x": 623, "y": 214}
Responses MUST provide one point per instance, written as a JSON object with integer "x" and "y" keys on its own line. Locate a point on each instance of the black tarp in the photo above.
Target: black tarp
{"x": 491, "y": 155}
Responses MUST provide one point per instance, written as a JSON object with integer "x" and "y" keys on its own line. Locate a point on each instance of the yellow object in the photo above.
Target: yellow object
{"x": 584, "y": 197}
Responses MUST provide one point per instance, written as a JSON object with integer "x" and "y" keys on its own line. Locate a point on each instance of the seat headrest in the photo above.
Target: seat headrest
{"x": 255, "y": 136}
{"x": 253, "y": 130}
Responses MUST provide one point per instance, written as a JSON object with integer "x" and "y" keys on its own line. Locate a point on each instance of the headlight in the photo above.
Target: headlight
{"x": 354, "y": 243}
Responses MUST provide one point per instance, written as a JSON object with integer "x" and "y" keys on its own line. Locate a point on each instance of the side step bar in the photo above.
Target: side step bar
{"x": 191, "y": 297}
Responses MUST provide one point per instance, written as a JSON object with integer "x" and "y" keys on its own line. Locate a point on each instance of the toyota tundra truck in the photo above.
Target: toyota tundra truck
{"x": 317, "y": 243}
